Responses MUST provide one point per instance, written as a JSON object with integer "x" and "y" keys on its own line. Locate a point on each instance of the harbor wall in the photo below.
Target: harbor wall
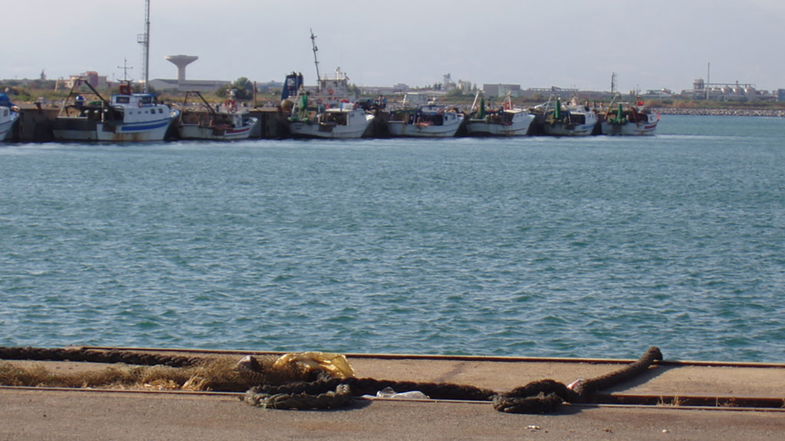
{"x": 34, "y": 125}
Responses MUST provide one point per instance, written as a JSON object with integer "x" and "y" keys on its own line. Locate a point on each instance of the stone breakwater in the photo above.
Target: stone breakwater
{"x": 720, "y": 112}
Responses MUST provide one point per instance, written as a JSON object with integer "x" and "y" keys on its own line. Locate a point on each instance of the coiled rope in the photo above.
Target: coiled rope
{"x": 542, "y": 396}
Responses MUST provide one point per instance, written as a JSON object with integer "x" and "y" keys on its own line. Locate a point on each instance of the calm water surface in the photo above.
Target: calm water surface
{"x": 593, "y": 247}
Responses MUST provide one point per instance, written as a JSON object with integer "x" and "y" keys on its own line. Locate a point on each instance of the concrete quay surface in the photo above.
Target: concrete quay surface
{"x": 47, "y": 414}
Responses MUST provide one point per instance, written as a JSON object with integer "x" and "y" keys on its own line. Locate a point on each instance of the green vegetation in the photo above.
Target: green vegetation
{"x": 47, "y": 92}
{"x": 241, "y": 89}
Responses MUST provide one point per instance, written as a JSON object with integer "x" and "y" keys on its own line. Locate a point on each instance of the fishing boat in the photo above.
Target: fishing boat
{"x": 8, "y": 116}
{"x": 505, "y": 121}
{"x": 342, "y": 122}
{"x": 326, "y": 112}
{"x": 428, "y": 121}
{"x": 629, "y": 120}
{"x": 207, "y": 123}
{"x": 567, "y": 120}
{"x": 126, "y": 117}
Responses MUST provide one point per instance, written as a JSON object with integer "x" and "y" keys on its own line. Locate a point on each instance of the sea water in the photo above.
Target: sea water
{"x": 529, "y": 246}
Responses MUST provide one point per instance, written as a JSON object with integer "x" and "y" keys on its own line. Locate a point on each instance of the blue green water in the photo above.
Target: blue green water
{"x": 539, "y": 246}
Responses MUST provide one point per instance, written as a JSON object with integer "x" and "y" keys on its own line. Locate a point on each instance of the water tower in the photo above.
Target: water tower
{"x": 181, "y": 61}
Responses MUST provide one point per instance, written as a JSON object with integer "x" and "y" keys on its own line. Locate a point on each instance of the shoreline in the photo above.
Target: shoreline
{"x": 772, "y": 113}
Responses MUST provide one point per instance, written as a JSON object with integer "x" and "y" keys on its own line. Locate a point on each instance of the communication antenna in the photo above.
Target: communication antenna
{"x": 144, "y": 40}
{"x": 708, "y": 80}
{"x": 316, "y": 61}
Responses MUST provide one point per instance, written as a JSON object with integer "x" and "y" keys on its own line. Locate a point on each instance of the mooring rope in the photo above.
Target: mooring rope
{"x": 547, "y": 396}
{"x": 542, "y": 396}
{"x": 265, "y": 395}
{"x": 97, "y": 356}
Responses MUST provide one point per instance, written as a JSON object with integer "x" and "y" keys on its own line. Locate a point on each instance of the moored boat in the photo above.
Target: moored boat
{"x": 505, "y": 121}
{"x": 342, "y": 122}
{"x": 629, "y": 120}
{"x": 126, "y": 117}
{"x": 210, "y": 124}
{"x": 8, "y": 116}
{"x": 570, "y": 120}
{"x": 326, "y": 112}
{"x": 429, "y": 121}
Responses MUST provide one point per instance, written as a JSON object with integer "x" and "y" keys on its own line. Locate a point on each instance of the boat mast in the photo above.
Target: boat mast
{"x": 613, "y": 83}
{"x": 144, "y": 40}
{"x": 125, "y": 67}
{"x": 315, "y": 61}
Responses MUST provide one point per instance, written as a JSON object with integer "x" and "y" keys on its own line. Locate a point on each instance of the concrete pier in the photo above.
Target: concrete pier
{"x": 34, "y": 124}
{"x": 40, "y": 413}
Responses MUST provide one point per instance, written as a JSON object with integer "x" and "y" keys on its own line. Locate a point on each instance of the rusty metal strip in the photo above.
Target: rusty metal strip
{"x": 670, "y": 402}
{"x": 691, "y": 401}
{"x": 457, "y": 357}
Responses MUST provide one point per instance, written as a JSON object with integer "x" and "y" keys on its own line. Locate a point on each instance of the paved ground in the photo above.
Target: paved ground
{"x": 79, "y": 415}
{"x": 38, "y": 415}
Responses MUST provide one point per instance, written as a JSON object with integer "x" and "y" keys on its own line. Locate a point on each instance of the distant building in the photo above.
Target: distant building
{"x": 91, "y": 77}
{"x": 499, "y": 90}
{"x": 725, "y": 91}
{"x": 465, "y": 86}
{"x": 447, "y": 83}
{"x": 422, "y": 98}
{"x": 780, "y": 95}
{"x": 187, "y": 85}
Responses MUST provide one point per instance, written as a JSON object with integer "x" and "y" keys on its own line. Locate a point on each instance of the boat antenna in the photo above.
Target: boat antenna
{"x": 144, "y": 40}
{"x": 315, "y": 61}
{"x": 125, "y": 67}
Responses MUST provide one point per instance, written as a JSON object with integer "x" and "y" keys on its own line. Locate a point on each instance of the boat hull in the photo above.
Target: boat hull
{"x": 195, "y": 131}
{"x": 561, "y": 129}
{"x": 629, "y": 129}
{"x": 400, "y": 128}
{"x": 519, "y": 127}
{"x": 83, "y": 129}
{"x": 6, "y": 124}
{"x": 313, "y": 129}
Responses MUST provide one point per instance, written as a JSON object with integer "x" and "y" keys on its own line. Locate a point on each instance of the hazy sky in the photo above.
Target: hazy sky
{"x": 567, "y": 43}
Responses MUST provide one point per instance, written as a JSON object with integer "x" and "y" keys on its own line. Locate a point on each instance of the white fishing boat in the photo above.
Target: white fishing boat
{"x": 206, "y": 123}
{"x": 342, "y": 122}
{"x": 8, "y": 116}
{"x": 570, "y": 120}
{"x": 326, "y": 112}
{"x": 429, "y": 121}
{"x": 126, "y": 117}
{"x": 629, "y": 120}
{"x": 505, "y": 121}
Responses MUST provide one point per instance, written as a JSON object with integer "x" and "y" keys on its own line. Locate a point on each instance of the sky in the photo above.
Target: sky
{"x": 536, "y": 44}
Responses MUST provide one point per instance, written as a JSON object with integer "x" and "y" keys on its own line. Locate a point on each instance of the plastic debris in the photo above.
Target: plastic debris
{"x": 576, "y": 383}
{"x": 334, "y": 364}
{"x": 388, "y": 392}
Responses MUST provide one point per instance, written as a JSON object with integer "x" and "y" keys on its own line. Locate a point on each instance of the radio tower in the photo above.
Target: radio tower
{"x": 144, "y": 40}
